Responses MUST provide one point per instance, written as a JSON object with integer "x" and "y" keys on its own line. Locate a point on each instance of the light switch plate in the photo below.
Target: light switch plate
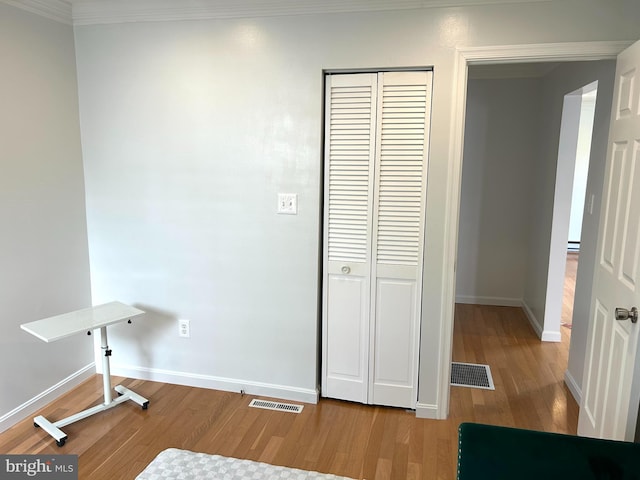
{"x": 288, "y": 203}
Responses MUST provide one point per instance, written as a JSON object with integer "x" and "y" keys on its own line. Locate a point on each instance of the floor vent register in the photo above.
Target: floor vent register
{"x": 282, "y": 407}
{"x": 471, "y": 375}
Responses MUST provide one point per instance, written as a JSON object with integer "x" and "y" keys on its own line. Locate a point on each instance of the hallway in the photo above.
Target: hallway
{"x": 528, "y": 374}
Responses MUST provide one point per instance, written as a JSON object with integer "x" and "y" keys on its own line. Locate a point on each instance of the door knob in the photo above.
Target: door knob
{"x": 624, "y": 314}
{"x": 346, "y": 270}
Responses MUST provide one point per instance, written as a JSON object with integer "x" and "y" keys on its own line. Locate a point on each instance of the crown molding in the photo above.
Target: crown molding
{"x": 58, "y": 10}
{"x": 91, "y": 12}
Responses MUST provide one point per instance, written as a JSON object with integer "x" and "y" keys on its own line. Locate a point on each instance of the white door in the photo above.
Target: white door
{"x": 375, "y": 183}
{"x": 611, "y": 381}
{"x": 350, "y": 132}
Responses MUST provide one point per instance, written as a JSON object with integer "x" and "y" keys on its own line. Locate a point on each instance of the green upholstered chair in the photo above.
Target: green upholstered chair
{"x": 496, "y": 453}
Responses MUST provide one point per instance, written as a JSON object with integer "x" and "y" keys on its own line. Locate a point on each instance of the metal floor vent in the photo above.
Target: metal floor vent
{"x": 471, "y": 375}
{"x": 282, "y": 407}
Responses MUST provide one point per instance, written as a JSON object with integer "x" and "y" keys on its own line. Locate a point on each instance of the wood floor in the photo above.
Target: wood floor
{"x": 335, "y": 437}
{"x": 569, "y": 287}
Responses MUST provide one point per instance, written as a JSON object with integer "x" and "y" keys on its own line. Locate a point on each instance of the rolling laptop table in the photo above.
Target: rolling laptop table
{"x": 84, "y": 321}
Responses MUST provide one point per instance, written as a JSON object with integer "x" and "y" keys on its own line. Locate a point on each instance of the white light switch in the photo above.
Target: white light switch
{"x": 288, "y": 203}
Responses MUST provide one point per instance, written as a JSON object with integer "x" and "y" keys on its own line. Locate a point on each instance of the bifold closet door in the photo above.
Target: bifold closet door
{"x": 349, "y": 179}
{"x": 375, "y": 159}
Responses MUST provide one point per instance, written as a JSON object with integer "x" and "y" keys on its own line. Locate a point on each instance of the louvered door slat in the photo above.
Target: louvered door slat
{"x": 349, "y": 155}
{"x": 400, "y": 176}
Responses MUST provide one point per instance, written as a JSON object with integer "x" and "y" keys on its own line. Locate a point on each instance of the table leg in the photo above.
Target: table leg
{"x": 53, "y": 428}
{"x": 106, "y": 371}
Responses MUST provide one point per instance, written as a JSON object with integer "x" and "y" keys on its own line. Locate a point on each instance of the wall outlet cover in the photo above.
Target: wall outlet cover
{"x": 184, "y": 328}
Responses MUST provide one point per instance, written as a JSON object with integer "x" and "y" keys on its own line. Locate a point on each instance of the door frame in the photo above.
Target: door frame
{"x": 465, "y": 56}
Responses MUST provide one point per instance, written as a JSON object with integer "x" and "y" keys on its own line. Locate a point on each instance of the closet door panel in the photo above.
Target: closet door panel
{"x": 349, "y": 171}
{"x": 393, "y": 348}
{"x": 347, "y": 338}
{"x": 400, "y": 190}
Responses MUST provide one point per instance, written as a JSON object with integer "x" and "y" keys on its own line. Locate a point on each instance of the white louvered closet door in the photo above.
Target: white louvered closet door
{"x": 375, "y": 183}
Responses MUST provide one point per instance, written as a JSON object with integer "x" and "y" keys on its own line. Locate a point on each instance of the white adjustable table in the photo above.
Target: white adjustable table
{"x": 84, "y": 321}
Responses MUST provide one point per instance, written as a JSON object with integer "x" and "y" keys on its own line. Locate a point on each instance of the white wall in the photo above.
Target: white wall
{"x": 582, "y": 165}
{"x": 565, "y": 79}
{"x": 43, "y": 246}
{"x": 500, "y": 153}
{"x": 191, "y": 128}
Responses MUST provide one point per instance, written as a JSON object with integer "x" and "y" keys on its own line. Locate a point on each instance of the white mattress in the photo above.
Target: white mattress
{"x": 174, "y": 463}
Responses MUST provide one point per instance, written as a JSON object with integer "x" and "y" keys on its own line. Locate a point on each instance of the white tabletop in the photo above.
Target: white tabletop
{"x": 61, "y": 326}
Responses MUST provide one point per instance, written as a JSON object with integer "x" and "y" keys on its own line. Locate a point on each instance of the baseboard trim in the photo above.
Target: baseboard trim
{"x": 498, "y": 301}
{"x": 426, "y": 410}
{"x": 573, "y": 386}
{"x": 544, "y": 335}
{"x": 532, "y": 319}
{"x": 31, "y": 406}
{"x": 217, "y": 383}
{"x": 551, "y": 336}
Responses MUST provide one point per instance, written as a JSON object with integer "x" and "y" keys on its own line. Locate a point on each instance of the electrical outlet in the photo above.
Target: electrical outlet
{"x": 184, "y": 329}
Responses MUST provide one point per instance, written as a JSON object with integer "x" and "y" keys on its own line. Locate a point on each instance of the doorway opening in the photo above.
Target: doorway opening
{"x": 576, "y": 131}
{"x": 515, "y": 159}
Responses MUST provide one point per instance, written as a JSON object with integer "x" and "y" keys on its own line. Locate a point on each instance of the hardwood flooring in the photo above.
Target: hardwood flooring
{"x": 569, "y": 287}
{"x": 528, "y": 374}
{"x": 336, "y": 437}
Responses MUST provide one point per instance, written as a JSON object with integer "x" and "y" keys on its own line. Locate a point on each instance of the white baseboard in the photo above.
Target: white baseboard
{"x": 544, "y": 335}
{"x": 498, "y": 301}
{"x": 36, "y": 403}
{"x": 573, "y": 386}
{"x": 217, "y": 383}
{"x": 551, "y": 336}
{"x": 425, "y": 410}
{"x": 532, "y": 319}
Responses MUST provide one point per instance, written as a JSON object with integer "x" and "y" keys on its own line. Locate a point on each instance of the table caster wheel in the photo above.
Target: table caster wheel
{"x": 145, "y": 405}
{"x": 36, "y": 425}
{"x": 61, "y": 442}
